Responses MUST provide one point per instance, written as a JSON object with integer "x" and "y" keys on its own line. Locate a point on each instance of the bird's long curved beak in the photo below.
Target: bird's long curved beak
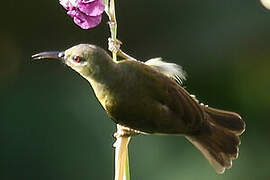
{"x": 49, "y": 55}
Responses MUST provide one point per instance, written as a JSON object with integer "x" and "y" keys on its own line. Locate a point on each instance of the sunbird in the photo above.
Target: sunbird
{"x": 148, "y": 97}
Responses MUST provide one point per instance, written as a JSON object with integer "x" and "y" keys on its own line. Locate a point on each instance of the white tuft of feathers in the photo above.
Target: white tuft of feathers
{"x": 171, "y": 70}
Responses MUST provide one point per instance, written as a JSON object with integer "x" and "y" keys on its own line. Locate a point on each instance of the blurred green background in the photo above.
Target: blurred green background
{"x": 52, "y": 127}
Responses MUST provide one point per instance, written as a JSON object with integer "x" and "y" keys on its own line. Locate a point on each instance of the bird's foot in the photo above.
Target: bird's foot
{"x": 114, "y": 45}
{"x": 125, "y": 132}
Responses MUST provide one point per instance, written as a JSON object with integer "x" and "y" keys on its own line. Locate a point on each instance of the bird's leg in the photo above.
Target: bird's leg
{"x": 125, "y": 55}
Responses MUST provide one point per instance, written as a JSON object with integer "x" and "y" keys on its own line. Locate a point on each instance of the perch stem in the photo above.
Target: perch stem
{"x": 122, "y": 139}
{"x": 114, "y": 43}
{"x": 110, "y": 10}
{"x": 121, "y": 154}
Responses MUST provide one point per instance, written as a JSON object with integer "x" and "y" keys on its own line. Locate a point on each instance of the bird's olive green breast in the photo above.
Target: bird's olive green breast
{"x": 141, "y": 98}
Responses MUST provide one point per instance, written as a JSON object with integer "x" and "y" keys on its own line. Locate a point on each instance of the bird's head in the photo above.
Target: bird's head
{"x": 88, "y": 60}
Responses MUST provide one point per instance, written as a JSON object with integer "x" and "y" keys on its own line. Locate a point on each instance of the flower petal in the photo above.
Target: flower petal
{"x": 87, "y": 1}
{"x": 91, "y": 8}
{"x": 84, "y": 21}
{"x": 69, "y": 4}
{"x": 90, "y": 21}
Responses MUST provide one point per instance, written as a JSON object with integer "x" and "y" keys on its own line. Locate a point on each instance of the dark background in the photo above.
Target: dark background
{"x": 52, "y": 127}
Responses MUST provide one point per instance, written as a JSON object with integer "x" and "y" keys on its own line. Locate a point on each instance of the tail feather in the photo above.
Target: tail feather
{"x": 218, "y": 139}
{"x": 228, "y": 120}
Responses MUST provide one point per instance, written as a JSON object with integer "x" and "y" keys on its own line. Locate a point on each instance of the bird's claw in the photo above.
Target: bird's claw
{"x": 125, "y": 132}
{"x": 114, "y": 45}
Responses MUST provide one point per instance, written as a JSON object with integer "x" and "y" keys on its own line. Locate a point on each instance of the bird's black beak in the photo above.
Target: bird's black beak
{"x": 49, "y": 55}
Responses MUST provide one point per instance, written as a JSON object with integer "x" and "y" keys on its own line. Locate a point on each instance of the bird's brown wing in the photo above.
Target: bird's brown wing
{"x": 148, "y": 101}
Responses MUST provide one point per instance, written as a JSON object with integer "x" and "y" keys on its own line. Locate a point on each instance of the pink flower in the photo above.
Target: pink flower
{"x": 85, "y": 13}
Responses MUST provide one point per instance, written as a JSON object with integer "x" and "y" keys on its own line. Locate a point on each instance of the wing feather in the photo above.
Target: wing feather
{"x": 171, "y": 70}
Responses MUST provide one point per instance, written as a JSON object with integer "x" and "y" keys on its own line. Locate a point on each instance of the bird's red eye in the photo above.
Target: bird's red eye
{"x": 77, "y": 59}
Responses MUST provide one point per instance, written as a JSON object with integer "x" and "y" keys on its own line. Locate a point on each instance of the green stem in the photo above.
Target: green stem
{"x": 127, "y": 174}
{"x": 113, "y": 25}
{"x": 121, "y": 154}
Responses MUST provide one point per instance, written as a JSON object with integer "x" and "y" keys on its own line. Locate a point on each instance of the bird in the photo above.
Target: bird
{"x": 148, "y": 97}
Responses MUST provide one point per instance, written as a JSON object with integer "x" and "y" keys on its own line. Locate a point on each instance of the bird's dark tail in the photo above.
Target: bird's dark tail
{"x": 218, "y": 139}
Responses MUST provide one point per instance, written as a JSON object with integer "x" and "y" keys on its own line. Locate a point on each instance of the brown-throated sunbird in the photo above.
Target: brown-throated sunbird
{"x": 148, "y": 97}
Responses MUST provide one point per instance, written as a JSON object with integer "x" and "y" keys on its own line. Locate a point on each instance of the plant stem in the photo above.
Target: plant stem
{"x": 121, "y": 155}
{"x": 110, "y": 10}
{"x": 127, "y": 174}
{"x": 122, "y": 139}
